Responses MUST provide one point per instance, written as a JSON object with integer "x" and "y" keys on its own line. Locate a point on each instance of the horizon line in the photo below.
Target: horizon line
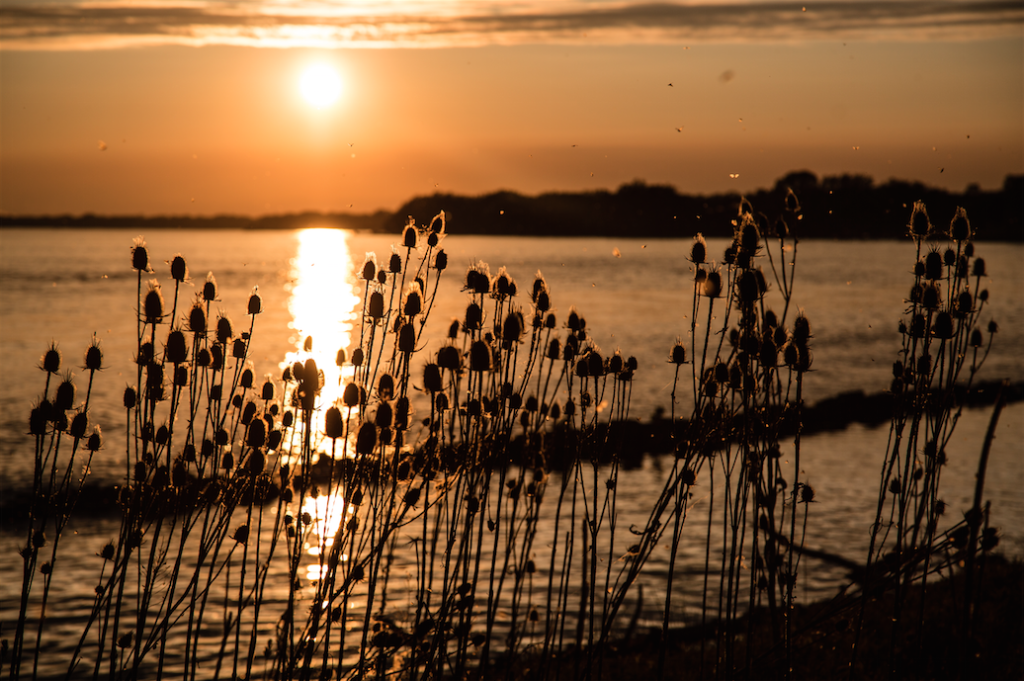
{"x": 7, "y": 215}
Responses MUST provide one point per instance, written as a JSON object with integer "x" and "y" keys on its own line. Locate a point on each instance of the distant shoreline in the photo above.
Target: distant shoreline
{"x": 840, "y": 207}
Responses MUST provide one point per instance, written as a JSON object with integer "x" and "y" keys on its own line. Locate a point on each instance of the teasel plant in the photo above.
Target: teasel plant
{"x": 56, "y": 421}
{"x": 747, "y": 372}
{"x": 943, "y": 347}
{"x": 451, "y": 453}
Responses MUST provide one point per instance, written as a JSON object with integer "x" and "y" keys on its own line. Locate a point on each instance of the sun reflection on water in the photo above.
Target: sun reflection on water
{"x": 328, "y": 511}
{"x": 324, "y": 306}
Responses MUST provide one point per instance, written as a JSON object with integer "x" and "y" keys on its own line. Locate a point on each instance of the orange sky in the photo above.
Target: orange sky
{"x": 195, "y": 107}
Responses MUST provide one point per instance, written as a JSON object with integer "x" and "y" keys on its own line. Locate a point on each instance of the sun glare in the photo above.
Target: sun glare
{"x": 320, "y": 85}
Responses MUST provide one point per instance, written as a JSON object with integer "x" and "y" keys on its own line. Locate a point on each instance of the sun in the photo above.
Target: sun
{"x": 320, "y": 85}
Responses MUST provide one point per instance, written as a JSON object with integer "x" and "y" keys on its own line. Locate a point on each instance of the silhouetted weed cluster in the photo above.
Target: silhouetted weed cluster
{"x": 260, "y": 522}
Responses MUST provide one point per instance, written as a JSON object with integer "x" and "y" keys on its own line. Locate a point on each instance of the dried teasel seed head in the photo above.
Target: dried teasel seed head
{"x": 146, "y": 354}
{"x": 224, "y": 330}
{"x": 749, "y": 237}
{"x": 369, "y": 272}
{"x": 140, "y": 256}
{"x": 197, "y": 319}
{"x": 93, "y": 356}
{"x": 712, "y": 287}
{"x": 721, "y": 372}
{"x": 729, "y": 257}
{"x": 747, "y": 287}
{"x": 413, "y": 302}
{"x": 432, "y": 378}
{"x": 920, "y": 226}
{"x": 571, "y": 349}
{"x": 255, "y": 302}
{"x": 502, "y": 286}
{"x": 479, "y": 356}
{"x": 976, "y": 338}
{"x": 210, "y": 288}
{"x": 801, "y": 330}
{"x": 407, "y": 339}
{"x": 79, "y": 425}
{"x": 39, "y": 417}
{"x": 351, "y": 396}
{"x": 153, "y": 304}
{"x": 64, "y": 399}
{"x": 385, "y": 387}
{"x": 176, "y": 351}
{"x": 437, "y": 224}
{"x": 130, "y": 398}
{"x": 699, "y": 249}
{"x": 615, "y": 363}
{"x": 238, "y": 349}
{"x": 449, "y": 358}
{"x": 50, "y": 362}
{"x": 791, "y": 355}
{"x": 409, "y": 235}
{"x": 256, "y": 437}
{"x": 179, "y": 269}
{"x": 474, "y": 318}
{"x": 512, "y": 329}
{"x": 964, "y": 304}
{"x": 573, "y": 322}
{"x": 949, "y": 257}
{"x": 441, "y": 261}
{"x": 931, "y": 297}
{"x": 554, "y": 349}
{"x": 960, "y": 227}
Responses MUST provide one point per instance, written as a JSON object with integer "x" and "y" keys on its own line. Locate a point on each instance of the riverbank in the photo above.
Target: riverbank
{"x": 929, "y": 643}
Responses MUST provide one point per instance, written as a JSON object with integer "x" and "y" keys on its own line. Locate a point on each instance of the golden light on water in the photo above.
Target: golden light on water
{"x": 324, "y": 306}
{"x": 328, "y": 512}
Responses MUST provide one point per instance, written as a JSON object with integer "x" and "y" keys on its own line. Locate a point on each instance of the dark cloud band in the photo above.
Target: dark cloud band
{"x": 73, "y": 26}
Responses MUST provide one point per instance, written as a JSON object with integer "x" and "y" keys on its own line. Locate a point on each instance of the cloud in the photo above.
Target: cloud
{"x": 467, "y": 23}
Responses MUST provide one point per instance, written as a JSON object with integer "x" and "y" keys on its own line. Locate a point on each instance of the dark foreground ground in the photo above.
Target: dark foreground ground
{"x": 930, "y": 643}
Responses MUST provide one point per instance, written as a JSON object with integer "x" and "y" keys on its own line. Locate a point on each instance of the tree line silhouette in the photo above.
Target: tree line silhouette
{"x": 833, "y": 207}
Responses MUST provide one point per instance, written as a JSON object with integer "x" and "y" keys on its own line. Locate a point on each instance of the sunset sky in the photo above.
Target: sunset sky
{"x": 196, "y": 107}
